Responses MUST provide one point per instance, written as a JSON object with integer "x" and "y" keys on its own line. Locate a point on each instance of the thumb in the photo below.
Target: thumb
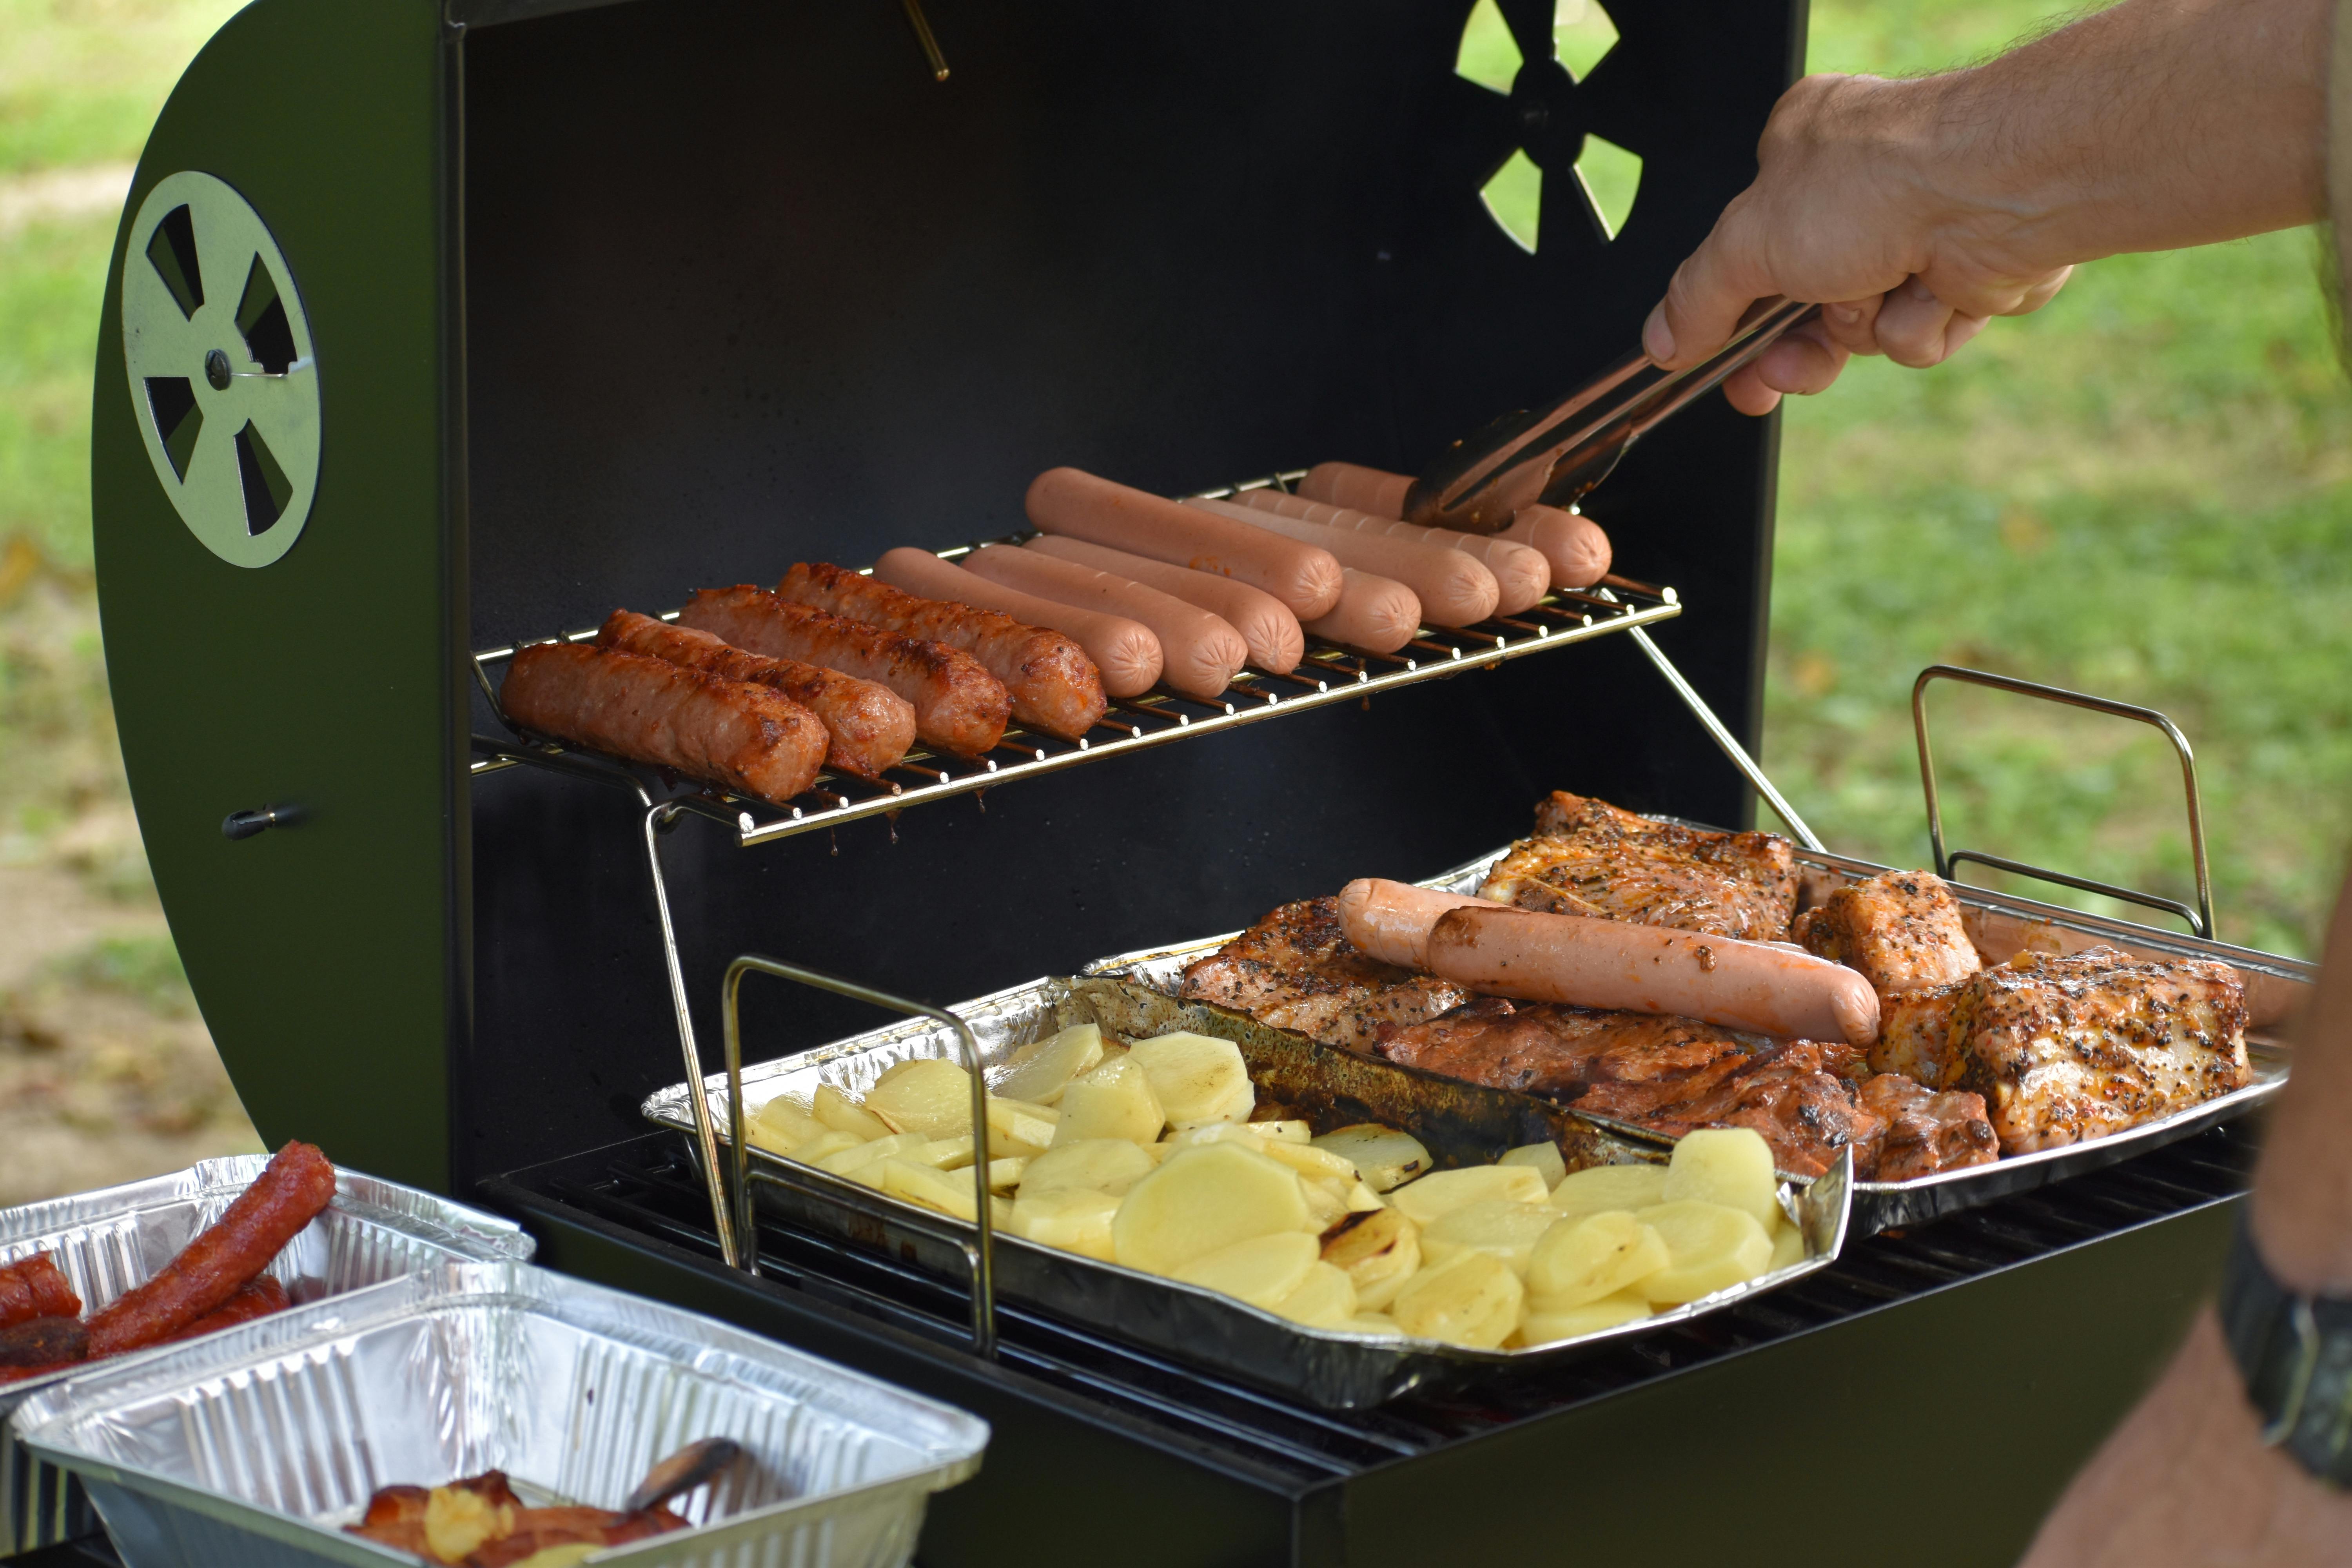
{"x": 1710, "y": 292}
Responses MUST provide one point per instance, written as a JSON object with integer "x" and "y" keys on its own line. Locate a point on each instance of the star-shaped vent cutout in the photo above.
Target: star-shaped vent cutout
{"x": 1546, "y": 59}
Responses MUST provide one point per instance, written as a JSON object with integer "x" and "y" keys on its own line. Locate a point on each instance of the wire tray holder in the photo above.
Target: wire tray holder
{"x": 2199, "y": 920}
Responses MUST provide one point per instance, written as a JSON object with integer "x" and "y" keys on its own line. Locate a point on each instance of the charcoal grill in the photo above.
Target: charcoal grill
{"x": 597, "y": 304}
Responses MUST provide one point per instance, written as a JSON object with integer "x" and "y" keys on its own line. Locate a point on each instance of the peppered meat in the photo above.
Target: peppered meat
{"x": 1635, "y": 1059}
{"x": 1901, "y": 928}
{"x": 1590, "y": 858}
{"x": 1924, "y": 1131}
{"x": 1792, "y": 1094}
{"x": 1296, "y": 970}
{"x": 1914, "y": 1033}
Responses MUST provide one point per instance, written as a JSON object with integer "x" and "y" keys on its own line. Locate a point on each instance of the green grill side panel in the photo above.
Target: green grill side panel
{"x": 324, "y": 955}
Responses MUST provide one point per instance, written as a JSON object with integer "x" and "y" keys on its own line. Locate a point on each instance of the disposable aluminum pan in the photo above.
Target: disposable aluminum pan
{"x": 253, "y": 1448}
{"x": 2000, "y": 926}
{"x": 1460, "y": 1125}
{"x": 110, "y": 1240}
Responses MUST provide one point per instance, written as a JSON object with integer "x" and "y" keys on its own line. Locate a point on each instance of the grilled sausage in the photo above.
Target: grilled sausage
{"x": 1071, "y": 502}
{"x": 258, "y": 1298}
{"x": 1199, "y": 652}
{"x": 1390, "y": 921}
{"x": 1268, "y": 629}
{"x": 870, "y": 726}
{"x": 1052, "y": 682}
{"x": 1373, "y": 613}
{"x": 1573, "y": 543}
{"x": 36, "y": 1287}
{"x": 1521, "y": 574}
{"x": 43, "y": 1342}
{"x": 1770, "y": 989}
{"x": 741, "y": 737}
{"x": 959, "y": 706}
{"x": 287, "y": 1195}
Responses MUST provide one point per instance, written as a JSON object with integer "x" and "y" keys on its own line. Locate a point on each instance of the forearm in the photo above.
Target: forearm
{"x": 2302, "y": 1193}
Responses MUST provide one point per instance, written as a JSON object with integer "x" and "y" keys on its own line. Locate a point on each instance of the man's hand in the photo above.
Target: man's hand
{"x": 1916, "y": 211}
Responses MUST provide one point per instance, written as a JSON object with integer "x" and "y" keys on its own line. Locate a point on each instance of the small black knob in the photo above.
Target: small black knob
{"x": 217, "y": 370}
{"x": 246, "y": 824}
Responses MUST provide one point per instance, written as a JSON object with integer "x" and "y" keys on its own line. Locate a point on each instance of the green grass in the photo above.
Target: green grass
{"x": 145, "y": 969}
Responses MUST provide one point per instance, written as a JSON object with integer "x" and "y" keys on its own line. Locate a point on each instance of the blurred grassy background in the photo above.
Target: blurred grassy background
{"x": 2144, "y": 490}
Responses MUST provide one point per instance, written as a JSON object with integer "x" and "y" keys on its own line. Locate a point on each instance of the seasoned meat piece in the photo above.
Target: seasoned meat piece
{"x": 1926, "y": 1131}
{"x": 1915, "y": 1030}
{"x": 1901, "y": 928}
{"x": 1794, "y": 1097}
{"x": 2068, "y": 1047}
{"x": 1636, "y": 1059}
{"x": 1590, "y": 858}
{"x": 1296, "y": 970}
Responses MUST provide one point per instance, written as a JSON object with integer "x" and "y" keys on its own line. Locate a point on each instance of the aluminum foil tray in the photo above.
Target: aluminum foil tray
{"x": 2276, "y": 987}
{"x": 252, "y": 1448}
{"x": 110, "y": 1240}
{"x": 1460, "y": 1123}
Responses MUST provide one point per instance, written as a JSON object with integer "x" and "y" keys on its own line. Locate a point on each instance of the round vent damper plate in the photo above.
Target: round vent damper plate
{"x": 224, "y": 381}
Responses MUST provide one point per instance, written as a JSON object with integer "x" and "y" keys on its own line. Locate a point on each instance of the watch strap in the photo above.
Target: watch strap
{"x": 2295, "y": 1352}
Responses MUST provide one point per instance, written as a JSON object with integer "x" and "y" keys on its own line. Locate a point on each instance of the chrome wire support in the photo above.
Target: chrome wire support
{"x": 1748, "y": 766}
{"x": 660, "y": 816}
{"x": 2199, "y": 920}
{"x": 978, "y": 1253}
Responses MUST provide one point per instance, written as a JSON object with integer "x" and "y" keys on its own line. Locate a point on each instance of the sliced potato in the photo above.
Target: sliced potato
{"x": 1040, "y": 1070}
{"x": 1198, "y": 1077}
{"x": 1378, "y": 1324}
{"x": 826, "y": 1142}
{"x": 1788, "y": 1246}
{"x": 1471, "y": 1300}
{"x": 1442, "y": 1192}
{"x": 843, "y": 1114}
{"x": 1308, "y": 1160}
{"x": 1713, "y": 1248}
{"x": 1098, "y": 1164}
{"x": 1603, "y": 1188}
{"x": 1112, "y": 1100}
{"x": 1583, "y": 1258}
{"x": 760, "y": 1135}
{"x": 843, "y": 1162}
{"x": 1326, "y": 1299}
{"x": 1284, "y": 1131}
{"x": 1545, "y": 1324}
{"x": 1261, "y": 1270}
{"x": 949, "y": 1192}
{"x": 1361, "y": 1199}
{"x": 1727, "y": 1165}
{"x": 1380, "y": 1251}
{"x": 945, "y": 1153}
{"x": 1326, "y": 1202}
{"x": 1384, "y": 1156}
{"x": 787, "y": 1121}
{"x": 1212, "y": 1133}
{"x": 1015, "y": 1127}
{"x": 928, "y": 1096}
{"x": 1201, "y": 1199}
{"x": 1498, "y": 1225}
{"x": 1075, "y": 1219}
{"x": 1544, "y": 1158}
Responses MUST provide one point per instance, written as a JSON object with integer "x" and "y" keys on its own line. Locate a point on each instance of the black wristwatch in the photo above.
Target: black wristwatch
{"x": 2295, "y": 1354}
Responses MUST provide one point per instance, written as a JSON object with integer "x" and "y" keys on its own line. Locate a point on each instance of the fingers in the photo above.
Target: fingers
{"x": 1709, "y": 293}
{"x": 1745, "y": 390}
{"x": 1852, "y": 324}
{"x": 1805, "y": 362}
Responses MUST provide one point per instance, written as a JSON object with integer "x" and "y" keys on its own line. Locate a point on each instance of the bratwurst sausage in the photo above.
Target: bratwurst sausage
{"x": 870, "y": 726}
{"x": 1267, "y": 627}
{"x": 959, "y": 706}
{"x": 1769, "y": 989}
{"x": 1199, "y": 652}
{"x": 36, "y": 1287}
{"x": 1060, "y": 685}
{"x": 1521, "y": 574}
{"x": 739, "y": 736}
{"x": 1070, "y": 501}
{"x": 1051, "y": 679}
{"x": 1390, "y": 921}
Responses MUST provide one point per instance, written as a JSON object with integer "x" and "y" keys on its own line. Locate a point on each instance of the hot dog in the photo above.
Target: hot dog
{"x": 1199, "y": 652}
{"x": 1521, "y": 574}
{"x": 1267, "y": 627}
{"x": 1373, "y": 613}
{"x": 36, "y": 1287}
{"x": 1538, "y": 957}
{"x": 1122, "y": 654}
{"x": 728, "y": 732}
{"x": 959, "y": 706}
{"x": 1068, "y": 501}
{"x": 1455, "y": 588}
{"x": 287, "y": 1195}
{"x": 1055, "y": 682}
{"x": 1574, "y": 544}
{"x": 870, "y": 726}
{"x": 1390, "y": 921}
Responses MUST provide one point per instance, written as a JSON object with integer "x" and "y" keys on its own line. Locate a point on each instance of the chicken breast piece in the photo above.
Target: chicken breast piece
{"x": 1915, "y": 1035}
{"x": 1590, "y": 858}
{"x": 1901, "y": 928}
{"x": 1924, "y": 1131}
{"x": 1296, "y": 970}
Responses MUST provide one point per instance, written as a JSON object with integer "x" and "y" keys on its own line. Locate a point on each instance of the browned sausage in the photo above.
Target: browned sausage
{"x": 870, "y": 726}
{"x": 1390, "y": 921}
{"x": 1268, "y": 629}
{"x": 959, "y": 706}
{"x": 728, "y": 732}
{"x": 36, "y": 1287}
{"x": 1073, "y": 502}
{"x": 1521, "y": 574}
{"x": 1051, "y": 682}
{"x": 44, "y": 1341}
{"x": 289, "y": 1195}
{"x": 1058, "y": 662}
{"x": 1374, "y": 490}
{"x": 1199, "y": 652}
{"x": 1372, "y": 613}
{"x": 258, "y": 1300}
{"x": 1770, "y": 988}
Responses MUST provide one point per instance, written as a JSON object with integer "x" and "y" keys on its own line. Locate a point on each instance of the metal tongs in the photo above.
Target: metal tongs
{"x": 1555, "y": 455}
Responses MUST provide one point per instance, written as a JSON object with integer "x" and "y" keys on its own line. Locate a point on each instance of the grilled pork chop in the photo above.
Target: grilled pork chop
{"x": 1590, "y": 858}
{"x": 1296, "y": 970}
{"x": 1901, "y": 928}
{"x": 1924, "y": 1131}
{"x": 1542, "y": 1047}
